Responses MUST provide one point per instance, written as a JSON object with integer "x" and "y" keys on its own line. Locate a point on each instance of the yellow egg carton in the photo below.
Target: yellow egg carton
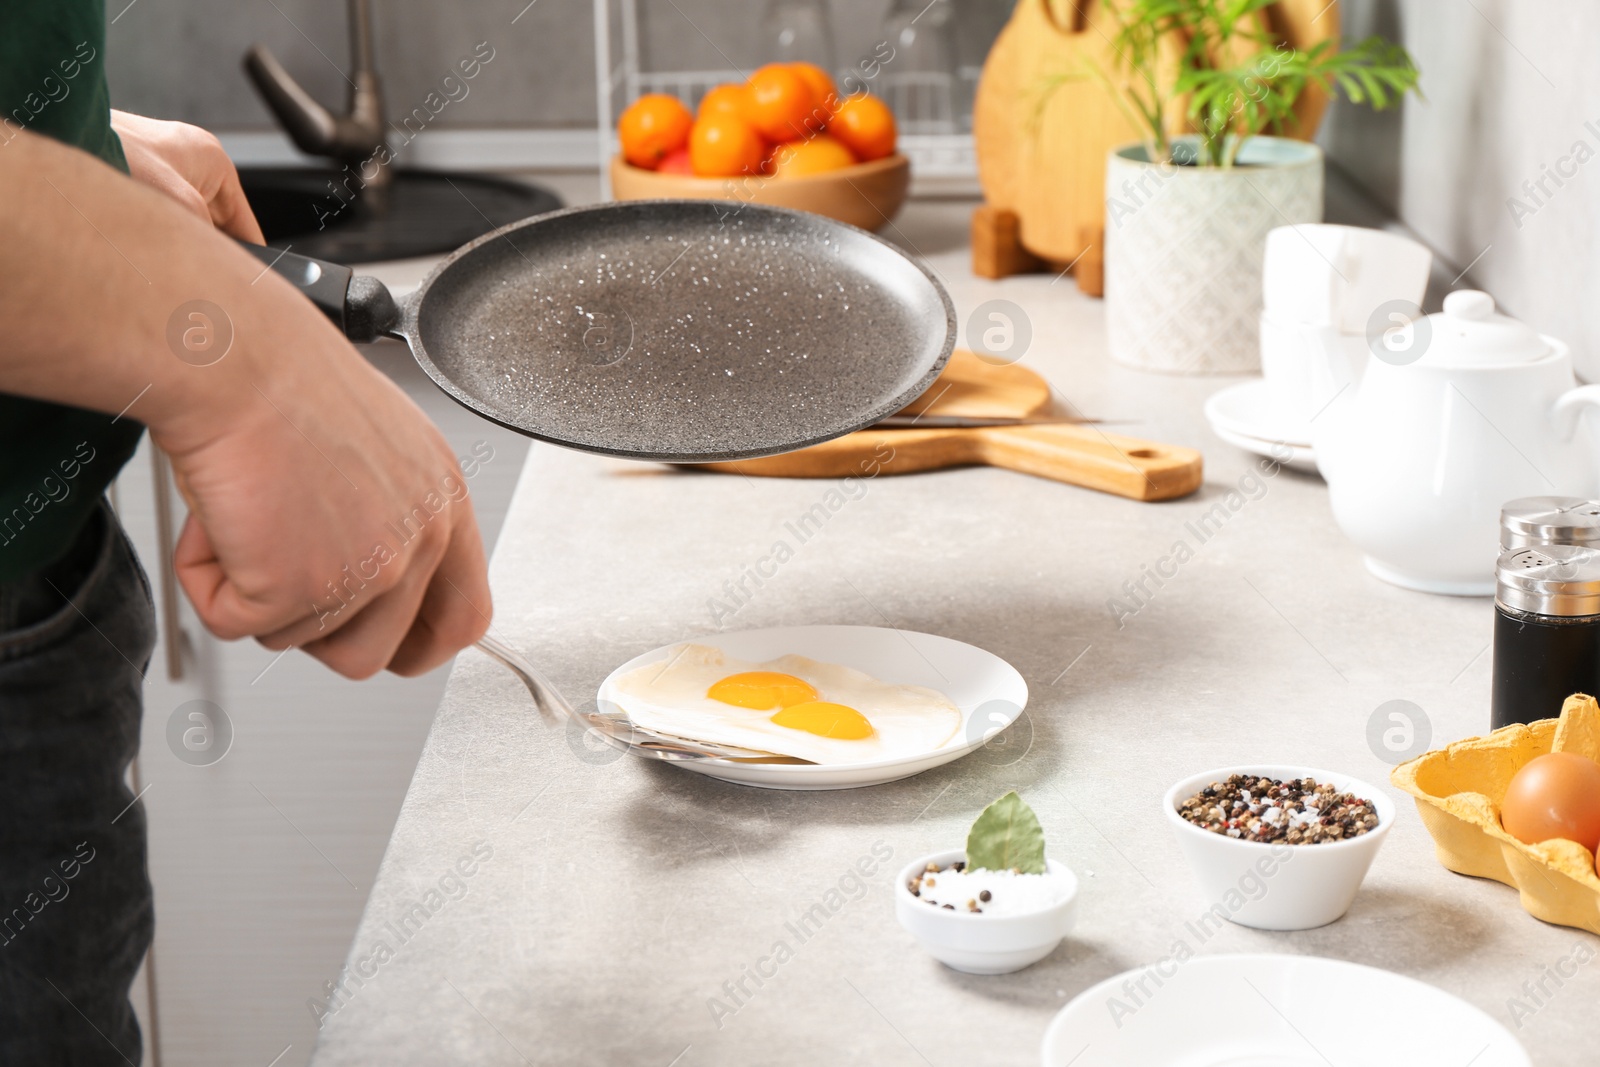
{"x": 1459, "y": 791}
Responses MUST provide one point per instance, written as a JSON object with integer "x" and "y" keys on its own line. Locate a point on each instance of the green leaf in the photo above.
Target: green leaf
{"x": 1232, "y": 101}
{"x": 1007, "y": 835}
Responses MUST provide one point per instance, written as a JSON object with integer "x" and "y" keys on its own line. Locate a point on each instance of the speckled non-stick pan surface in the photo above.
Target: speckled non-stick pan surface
{"x": 681, "y": 330}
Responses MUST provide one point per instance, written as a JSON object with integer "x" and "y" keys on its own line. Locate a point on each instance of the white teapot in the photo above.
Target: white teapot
{"x": 1455, "y": 414}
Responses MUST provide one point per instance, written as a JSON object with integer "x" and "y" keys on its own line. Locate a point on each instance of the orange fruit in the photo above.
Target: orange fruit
{"x": 723, "y": 100}
{"x": 779, "y": 102}
{"x": 865, "y": 125}
{"x": 676, "y": 162}
{"x": 722, "y": 146}
{"x": 824, "y": 94}
{"x": 653, "y": 125}
{"x": 799, "y": 159}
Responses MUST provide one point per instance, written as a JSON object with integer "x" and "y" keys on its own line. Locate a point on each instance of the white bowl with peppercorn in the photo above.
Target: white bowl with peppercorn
{"x": 1006, "y": 914}
{"x": 1278, "y": 847}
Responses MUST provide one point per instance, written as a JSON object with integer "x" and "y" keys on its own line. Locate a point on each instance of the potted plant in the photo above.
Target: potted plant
{"x": 1187, "y": 214}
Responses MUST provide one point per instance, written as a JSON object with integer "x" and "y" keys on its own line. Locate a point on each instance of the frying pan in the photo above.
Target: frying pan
{"x": 684, "y": 331}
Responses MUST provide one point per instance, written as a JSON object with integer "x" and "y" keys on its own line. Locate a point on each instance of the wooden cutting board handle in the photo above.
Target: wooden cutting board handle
{"x": 1075, "y": 454}
{"x": 1086, "y": 456}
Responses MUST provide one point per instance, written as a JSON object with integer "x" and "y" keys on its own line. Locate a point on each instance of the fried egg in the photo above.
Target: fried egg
{"x": 791, "y": 706}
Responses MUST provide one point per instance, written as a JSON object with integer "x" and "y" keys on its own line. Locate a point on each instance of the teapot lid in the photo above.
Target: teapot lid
{"x": 1470, "y": 333}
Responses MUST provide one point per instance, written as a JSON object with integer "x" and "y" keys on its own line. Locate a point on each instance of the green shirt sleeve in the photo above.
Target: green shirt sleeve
{"x": 55, "y": 461}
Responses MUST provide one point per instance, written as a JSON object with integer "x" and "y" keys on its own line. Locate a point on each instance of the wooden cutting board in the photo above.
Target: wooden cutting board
{"x": 1042, "y": 135}
{"x": 1078, "y": 454}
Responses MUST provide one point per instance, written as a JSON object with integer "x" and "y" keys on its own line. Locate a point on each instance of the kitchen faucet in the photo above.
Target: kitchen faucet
{"x": 351, "y": 139}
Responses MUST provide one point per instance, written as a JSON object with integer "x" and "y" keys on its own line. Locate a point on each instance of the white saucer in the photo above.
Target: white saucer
{"x": 987, "y": 689}
{"x": 1282, "y": 1011}
{"x": 1250, "y": 409}
{"x": 1295, "y": 457}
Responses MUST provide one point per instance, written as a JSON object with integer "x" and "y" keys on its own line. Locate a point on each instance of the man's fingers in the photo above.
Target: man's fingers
{"x": 322, "y": 621}
{"x": 160, "y": 175}
{"x": 218, "y": 179}
{"x": 420, "y": 608}
{"x": 439, "y": 605}
{"x": 457, "y": 608}
{"x": 366, "y": 643}
{"x": 228, "y": 613}
{"x": 190, "y": 165}
{"x": 199, "y": 571}
{"x": 231, "y": 213}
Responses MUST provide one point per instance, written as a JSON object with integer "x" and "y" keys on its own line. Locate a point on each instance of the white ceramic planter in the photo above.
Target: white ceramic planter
{"x": 1184, "y": 248}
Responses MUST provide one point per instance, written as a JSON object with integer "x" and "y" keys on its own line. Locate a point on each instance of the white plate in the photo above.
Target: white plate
{"x": 1299, "y": 457}
{"x": 1273, "y": 1011}
{"x": 987, "y": 689}
{"x": 1250, "y": 410}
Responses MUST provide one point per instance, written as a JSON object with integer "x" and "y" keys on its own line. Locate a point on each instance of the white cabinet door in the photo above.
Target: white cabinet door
{"x": 262, "y": 858}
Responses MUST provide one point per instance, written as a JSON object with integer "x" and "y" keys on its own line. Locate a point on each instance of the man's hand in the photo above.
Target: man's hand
{"x": 332, "y": 516}
{"x": 189, "y": 165}
{"x": 389, "y": 581}
{"x": 325, "y": 510}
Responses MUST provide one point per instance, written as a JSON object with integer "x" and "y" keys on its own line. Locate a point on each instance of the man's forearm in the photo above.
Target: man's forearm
{"x": 95, "y": 266}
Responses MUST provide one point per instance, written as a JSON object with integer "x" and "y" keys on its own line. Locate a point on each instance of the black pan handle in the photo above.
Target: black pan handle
{"x": 358, "y": 304}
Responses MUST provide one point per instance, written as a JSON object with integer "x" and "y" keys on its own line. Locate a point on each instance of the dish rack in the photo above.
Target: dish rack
{"x": 933, "y": 111}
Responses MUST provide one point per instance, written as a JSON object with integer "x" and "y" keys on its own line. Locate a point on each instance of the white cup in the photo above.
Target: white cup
{"x": 1320, "y": 274}
{"x": 1300, "y": 273}
{"x": 1288, "y": 355}
{"x": 1316, "y": 276}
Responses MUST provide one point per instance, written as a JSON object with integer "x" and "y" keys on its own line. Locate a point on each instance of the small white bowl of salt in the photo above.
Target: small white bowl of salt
{"x": 998, "y": 905}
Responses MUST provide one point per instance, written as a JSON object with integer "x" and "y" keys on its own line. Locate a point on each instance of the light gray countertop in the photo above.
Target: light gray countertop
{"x": 612, "y": 898}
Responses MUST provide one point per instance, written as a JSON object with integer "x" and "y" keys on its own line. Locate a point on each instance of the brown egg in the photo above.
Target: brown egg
{"x": 1554, "y": 795}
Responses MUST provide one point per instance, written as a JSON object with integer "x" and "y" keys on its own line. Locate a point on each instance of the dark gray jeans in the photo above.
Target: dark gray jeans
{"x": 75, "y": 910}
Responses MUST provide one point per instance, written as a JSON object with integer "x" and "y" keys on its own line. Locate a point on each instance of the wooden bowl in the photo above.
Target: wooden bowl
{"x": 866, "y": 195}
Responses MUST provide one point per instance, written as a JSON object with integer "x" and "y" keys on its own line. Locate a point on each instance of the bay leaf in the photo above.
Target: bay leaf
{"x": 1007, "y": 834}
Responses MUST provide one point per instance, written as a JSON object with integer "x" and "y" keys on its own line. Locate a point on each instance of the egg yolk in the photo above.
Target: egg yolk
{"x": 825, "y": 720}
{"x": 762, "y": 690}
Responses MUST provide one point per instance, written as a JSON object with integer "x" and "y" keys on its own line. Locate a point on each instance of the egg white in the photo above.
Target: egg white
{"x": 670, "y": 696}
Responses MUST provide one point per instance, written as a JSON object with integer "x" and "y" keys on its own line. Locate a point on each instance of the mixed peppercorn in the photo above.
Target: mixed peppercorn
{"x": 926, "y": 879}
{"x": 1300, "y": 811}
{"x": 961, "y": 888}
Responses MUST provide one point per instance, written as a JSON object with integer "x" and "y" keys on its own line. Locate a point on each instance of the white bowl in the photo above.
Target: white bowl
{"x": 984, "y": 944}
{"x": 1278, "y": 886}
{"x": 1273, "y": 1011}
